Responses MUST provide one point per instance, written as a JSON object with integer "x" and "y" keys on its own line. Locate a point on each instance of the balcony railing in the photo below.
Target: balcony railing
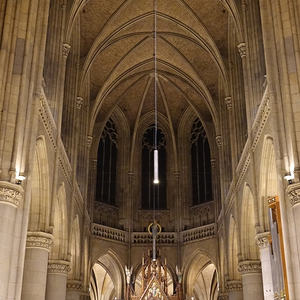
{"x": 164, "y": 238}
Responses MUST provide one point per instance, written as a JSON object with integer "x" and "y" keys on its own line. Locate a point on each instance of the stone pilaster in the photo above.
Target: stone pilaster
{"x": 38, "y": 245}
{"x": 263, "y": 242}
{"x": 252, "y": 279}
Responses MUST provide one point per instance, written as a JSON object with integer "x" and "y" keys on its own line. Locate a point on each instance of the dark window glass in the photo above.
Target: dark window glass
{"x": 154, "y": 196}
{"x": 107, "y": 165}
{"x": 201, "y": 168}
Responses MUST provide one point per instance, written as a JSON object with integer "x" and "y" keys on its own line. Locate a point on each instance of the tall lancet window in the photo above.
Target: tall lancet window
{"x": 201, "y": 168}
{"x": 107, "y": 164}
{"x": 154, "y": 194}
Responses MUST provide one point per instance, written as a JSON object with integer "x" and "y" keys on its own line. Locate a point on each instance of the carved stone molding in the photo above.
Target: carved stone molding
{"x": 89, "y": 141}
{"x": 249, "y": 266}
{"x": 263, "y": 240}
{"x": 234, "y": 285}
{"x": 223, "y": 297}
{"x": 293, "y": 191}
{"x": 219, "y": 141}
{"x": 66, "y": 49}
{"x": 41, "y": 240}
{"x": 79, "y": 102}
{"x": 74, "y": 285}
{"x": 58, "y": 267}
{"x": 228, "y": 102}
{"x": 11, "y": 193}
{"x": 242, "y": 49}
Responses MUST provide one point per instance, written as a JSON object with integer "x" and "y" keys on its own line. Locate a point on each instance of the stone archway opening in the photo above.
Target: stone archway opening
{"x": 202, "y": 279}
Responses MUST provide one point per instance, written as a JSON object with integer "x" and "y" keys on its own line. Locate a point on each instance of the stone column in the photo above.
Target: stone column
{"x": 234, "y": 289}
{"x": 252, "y": 279}
{"x": 293, "y": 191}
{"x": 266, "y": 264}
{"x": 57, "y": 280}
{"x": 35, "y": 267}
{"x": 11, "y": 196}
{"x": 74, "y": 290}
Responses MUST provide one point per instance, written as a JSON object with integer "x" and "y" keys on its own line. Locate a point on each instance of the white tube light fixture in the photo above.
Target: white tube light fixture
{"x": 156, "y": 180}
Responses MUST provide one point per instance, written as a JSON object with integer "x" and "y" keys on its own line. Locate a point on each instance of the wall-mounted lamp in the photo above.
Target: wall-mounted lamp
{"x": 289, "y": 177}
{"x": 20, "y": 178}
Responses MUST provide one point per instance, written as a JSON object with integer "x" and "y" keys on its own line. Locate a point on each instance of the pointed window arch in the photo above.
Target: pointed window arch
{"x": 107, "y": 165}
{"x": 201, "y": 168}
{"x": 154, "y": 193}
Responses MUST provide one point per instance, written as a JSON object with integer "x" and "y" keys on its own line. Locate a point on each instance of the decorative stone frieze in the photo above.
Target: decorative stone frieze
{"x": 219, "y": 141}
{"x": 263, "y": 240}
{"x": 79, "y": 102}
{"x": 11, "y": 193}
{"x": 89, "y": 141}
{"x": 41, "y": 240}
{"x": 58, "y": 267}
{"x": 223, "y": 297}
{"x": 293, "y": 191}
{"x": 234, "y": 285}
{"x": 249, "y": 266}
{"x": 66, "y": 49}
{"x": 74, "y": 285}
{"x": 242, "y": 49}
{"x": 228, "y": 102}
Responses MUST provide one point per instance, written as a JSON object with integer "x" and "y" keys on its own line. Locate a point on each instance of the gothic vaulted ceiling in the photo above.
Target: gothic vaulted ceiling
{"x": 117, "y": 46}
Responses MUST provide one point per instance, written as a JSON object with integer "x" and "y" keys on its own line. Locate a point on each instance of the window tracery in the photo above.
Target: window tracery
{"x": 107, "y": 164}
{"x": 201, "y": 168}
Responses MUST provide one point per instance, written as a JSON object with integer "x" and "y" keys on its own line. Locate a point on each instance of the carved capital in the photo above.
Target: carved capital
{"x": 242, "y": 49}
{"x": 79, "y": 102}
{"x": 263, "y": 240}
{"x": 11, "y": 193}
{"x": 213, "y": 163}
{"x": 228, "y": 102}
{"x": 66, "y": 49}
{"x": 234, "y": 285}
{"x": 293, "y": 191}
{"x": 89, "y": 141}
{"x": 41, "y": 240}
{"x": 58, "y": 267}
{"x": 219, "y": 141}
{"x": 74, "y": 285}
{"x": 249, "y": 266}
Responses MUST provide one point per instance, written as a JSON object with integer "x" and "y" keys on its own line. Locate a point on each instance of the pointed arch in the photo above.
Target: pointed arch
{"x": 249, "y": 248}
{"x": 233, "y": 250}
{"x": 75, "y": 250}
{"x": 60, "y": 229}
{"x": 268, "y": 181}
{"x": 39, "y": 216}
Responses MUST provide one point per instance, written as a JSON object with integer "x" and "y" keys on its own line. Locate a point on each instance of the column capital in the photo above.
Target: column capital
{"x": 219, "y": 141}
{"x": 249, "y": 266}
{"x": 263, "y": 239}
{"x": 228, "y": 102}
{"x": 66, "y": 49}
{"x": 40, "y": 240}
{"x": 242, "y": 49}
{"x": 223, "y": 297}
{"x": 60, "y": 267}
{"x": 213, "y": 162}
{"x": 74, "y": 285}
{"x": 79, "y": 102}
{"x": 11, "y": 193}
{"x": 293, "y": 191}
{"x": 233, "y": 285}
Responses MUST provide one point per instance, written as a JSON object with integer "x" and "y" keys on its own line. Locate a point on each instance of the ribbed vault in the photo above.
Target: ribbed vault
{"x": 116, "y": 49}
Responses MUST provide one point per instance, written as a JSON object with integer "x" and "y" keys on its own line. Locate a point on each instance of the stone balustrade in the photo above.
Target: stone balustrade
{"x": 109, "y": 233}
{"x": 198, "y": 233}
{"x": 164, "y": 238}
